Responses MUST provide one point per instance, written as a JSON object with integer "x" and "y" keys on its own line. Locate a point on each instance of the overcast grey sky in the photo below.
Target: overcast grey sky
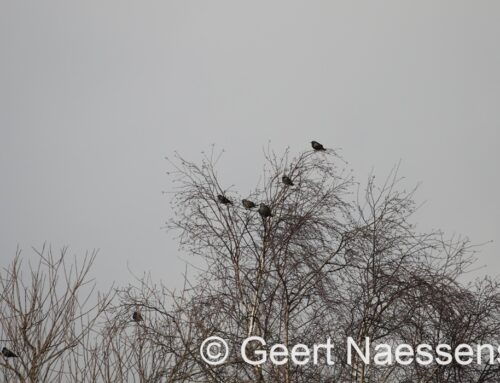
{"x": 94, "y": 94}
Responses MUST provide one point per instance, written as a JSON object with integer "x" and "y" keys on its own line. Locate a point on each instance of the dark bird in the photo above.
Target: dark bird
{"x": 137, "y": 317}
{"x": 317, "y": 146}
{"x": 287, "y": 181}
{"x": 7, "y": 353}
{"x": 349, "y": 252}
{"x": 265, "y": 211}
{"x": 248, "y": 204}
{"x": 224, "y": 200}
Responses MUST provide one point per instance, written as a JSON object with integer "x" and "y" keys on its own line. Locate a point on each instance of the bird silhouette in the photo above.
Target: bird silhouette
{"x": 265, "y": 211}
{"x": 287, "y": 181}
{"x": 317, "y": 146}
{"x": 7, "y": 353}
{"x": 137, "y": 317}
{"x": 248, "y": 204}
{"x": 224, "y": 200}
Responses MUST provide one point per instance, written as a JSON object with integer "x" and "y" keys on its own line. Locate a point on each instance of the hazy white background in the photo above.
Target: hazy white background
{"x": 94, "y": 94}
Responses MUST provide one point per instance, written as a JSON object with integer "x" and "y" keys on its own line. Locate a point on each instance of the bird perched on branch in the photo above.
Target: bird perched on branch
{"x": 137, "y": 317}
{"x": 287, "y": 180}
{"x": 8, "y": 354}
{"x": 248, "y": 204}
{"x": 265, "y": 211}
{"x": 317, "y": 146}
{"x": 224, "y": 200}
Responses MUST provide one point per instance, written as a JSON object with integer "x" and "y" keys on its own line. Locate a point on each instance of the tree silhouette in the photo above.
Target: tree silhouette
{"x": 329, "y": 259}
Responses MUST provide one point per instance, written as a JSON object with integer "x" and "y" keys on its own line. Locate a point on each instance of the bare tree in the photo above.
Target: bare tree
{"x": 304, "y": 258}
{"x": 47, "y": 310}
{"x": 332, "y": 260}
